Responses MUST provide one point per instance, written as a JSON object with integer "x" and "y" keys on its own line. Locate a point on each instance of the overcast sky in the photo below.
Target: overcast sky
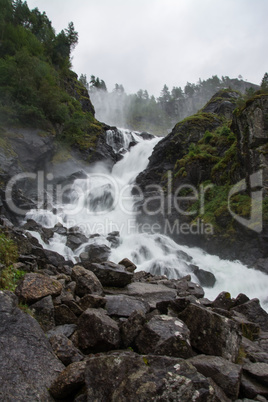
{"x": 148, "y": 43}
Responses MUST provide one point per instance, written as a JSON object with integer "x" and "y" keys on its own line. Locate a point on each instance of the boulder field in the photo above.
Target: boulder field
{"x": 102, "y": 331}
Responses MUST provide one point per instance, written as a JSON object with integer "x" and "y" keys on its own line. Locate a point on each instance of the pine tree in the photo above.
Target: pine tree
{"x": 264, "y": 83}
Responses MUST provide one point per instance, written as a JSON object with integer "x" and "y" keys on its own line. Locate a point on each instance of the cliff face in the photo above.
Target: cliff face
{"x": 198, "y": 166}
{"x": 27, "y": 150}
{"x": 251, "y": 127}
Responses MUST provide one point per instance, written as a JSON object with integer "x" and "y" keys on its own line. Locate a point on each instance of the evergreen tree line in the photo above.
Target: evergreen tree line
{"x": 37, "y": 87}
{"x": 141, "y": 111}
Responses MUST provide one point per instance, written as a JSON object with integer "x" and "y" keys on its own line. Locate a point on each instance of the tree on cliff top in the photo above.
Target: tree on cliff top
{"x": 264, "y": 83}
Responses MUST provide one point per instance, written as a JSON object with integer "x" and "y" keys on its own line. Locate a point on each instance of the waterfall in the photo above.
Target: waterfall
{"x": 119, "y": 139}
{"x": 102, "y": 203}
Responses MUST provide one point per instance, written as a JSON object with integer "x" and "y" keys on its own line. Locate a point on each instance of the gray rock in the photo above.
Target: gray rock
{"x": 73, "y": 307}
{"x": 254, "y": 312}
{"x": 250, "y": 388}
{"x": 91, "y": 301}
{"x": 248, "y": 329}
{"x": 131, "y": 328}
{"x": 110, "y": 274}
{"x": 124, "y": 306}
{"x": 226, "y": 375}
{"x": 65, "y": 350}
{"x": 187, "y": 288}
{"x": 25, "y": 352}
{"x": 223, "y": 301}
{"x": 254, "y": 352}
{"x": 150, "y": 293}
{"x": 212, "y": 333}
{"x": 75, "y": 240}
{"x": 157, "y": 378}
{"x": 69, "y": 382}
{"x": 205, "y": 278}
{"x": 43, "y": 311}
{"x": 114, "y": 239}
{"x": 66, "y": 330}
{"x": 164, "y": 335}
{"x": 259, "y": 371}
{"x": 64, "y": 315}
{"x": 86, "y": 282}
{"x": 97, "y": 332}
{"x": 97, "y": 252}
{"x": 219, "y": 396}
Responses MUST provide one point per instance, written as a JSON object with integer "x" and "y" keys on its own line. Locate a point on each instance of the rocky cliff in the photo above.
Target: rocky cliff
{"x": 198, "y": 164}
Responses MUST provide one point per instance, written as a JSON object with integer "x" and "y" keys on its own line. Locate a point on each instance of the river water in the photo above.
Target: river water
{"x": 102, "y": 203}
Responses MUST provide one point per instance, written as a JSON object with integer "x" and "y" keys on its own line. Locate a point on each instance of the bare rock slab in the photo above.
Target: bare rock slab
{"x": 151, "y": 293}
{"x": 25, "y": 352}
{"x": 110, "y": 274}
{"x": 124, "y": 306}
{"x": 212, "y": 333}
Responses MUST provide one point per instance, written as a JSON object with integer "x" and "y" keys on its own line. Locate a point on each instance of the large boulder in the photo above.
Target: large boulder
{"x": 259, "y": 371}
{"x": 164, "y": 335}
{"x": 128, "y": 377}
{"x": 65, "y": 350}
{"x": 28, "y": 364}
{"x": 43, "y": 311}
{"x": 151, "y": 293}
{"x": 212, "y": 333}
{"x": 97, "y": 332}
{"x": 96, "y": 253}
{"x": 34, "y": 287}
{"x": 69, "y": 382}
{"x": 225, "y": 373}
{"x": 109, "y": 274}
{"x": 131, "y": 328}
{"x": 254, "y": 313}
{"x": 124, "y": 306}
{"x": 86, "y": 282}
{"x": 75, "y": 240}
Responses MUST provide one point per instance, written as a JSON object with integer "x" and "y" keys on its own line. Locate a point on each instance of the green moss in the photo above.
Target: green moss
{"x": 199, "y": 120}
{"x": 62, "y": 155}
{"x": 145, "y": 360}
{"x": 241, "y": 355}
{"x": 244, "y": 103}
{"x": 224, "y": 169}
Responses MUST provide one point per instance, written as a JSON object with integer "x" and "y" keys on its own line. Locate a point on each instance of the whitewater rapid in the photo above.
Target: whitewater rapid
{"x": 102, "y": 203}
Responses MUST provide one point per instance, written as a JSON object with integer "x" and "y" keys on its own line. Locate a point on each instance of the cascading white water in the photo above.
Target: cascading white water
{"x": 102, "y": 203}
{"x": 119, "y": 139}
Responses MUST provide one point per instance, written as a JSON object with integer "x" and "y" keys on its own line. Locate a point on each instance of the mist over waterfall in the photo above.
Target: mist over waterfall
{"x": 110, "y": 107}
{"x": 102, "y": 203}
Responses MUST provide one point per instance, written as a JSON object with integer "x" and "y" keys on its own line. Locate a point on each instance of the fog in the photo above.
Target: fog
{"x": 149, "y": 43}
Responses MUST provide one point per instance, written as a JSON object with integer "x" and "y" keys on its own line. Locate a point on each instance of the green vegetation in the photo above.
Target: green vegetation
{"x": 37, "y": 87}
{"x": 141, "y": 111}
{"x": 8, "y": 250}
{"x": 9, "y": 276}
